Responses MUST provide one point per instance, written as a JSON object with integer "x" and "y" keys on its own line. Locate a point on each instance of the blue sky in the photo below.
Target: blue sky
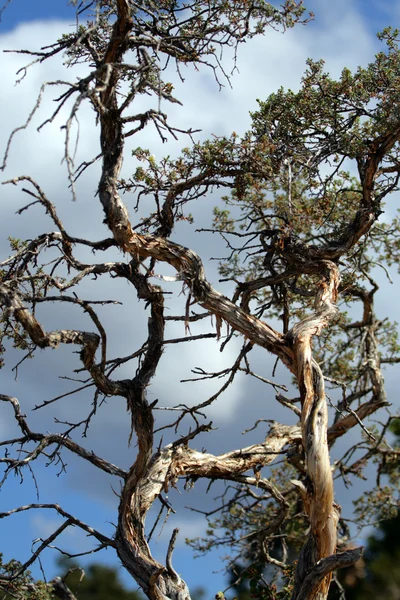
{"x": 344, "y": 34}
{"x": 376, "y": 13}
{"x": 23, "y": 11}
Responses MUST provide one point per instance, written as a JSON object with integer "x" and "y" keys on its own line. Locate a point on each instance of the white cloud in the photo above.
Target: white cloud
{"x": 72, "y": 539}
{"x": 44, "y": 526}
{"x": 189, "y": 528}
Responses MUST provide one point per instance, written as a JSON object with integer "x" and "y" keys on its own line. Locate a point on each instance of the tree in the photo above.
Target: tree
{"x": 97, "y": 582}
{"x": 310, "y": 234}
{"x": 22, "y": 586}
{"x": 377, "y": 576}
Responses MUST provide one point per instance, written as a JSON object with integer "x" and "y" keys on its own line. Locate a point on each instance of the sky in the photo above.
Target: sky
{"x": 343, "y": 33}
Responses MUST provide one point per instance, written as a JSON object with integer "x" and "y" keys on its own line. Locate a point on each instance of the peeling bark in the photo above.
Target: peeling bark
{"x": 317, "y": 493}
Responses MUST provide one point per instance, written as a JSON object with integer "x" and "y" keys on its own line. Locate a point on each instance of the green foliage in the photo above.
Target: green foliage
{"x": 97, "y": 582}
{"x": 394, "y": 428}
{"x": 253, "y": 585}
{"x": 23, "y": 587}
{"x": 377, "y": 575}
